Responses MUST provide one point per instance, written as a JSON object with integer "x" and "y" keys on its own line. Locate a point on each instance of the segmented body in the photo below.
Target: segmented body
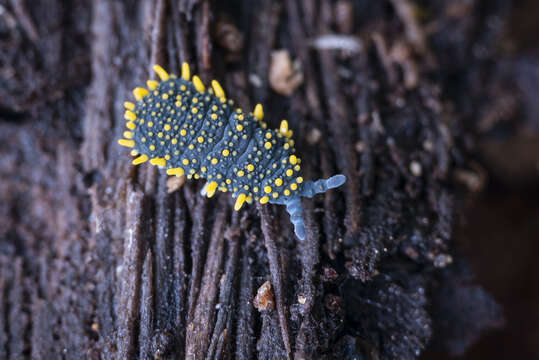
{"x": 180, "y": 125}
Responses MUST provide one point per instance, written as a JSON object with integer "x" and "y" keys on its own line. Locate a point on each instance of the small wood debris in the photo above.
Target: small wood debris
{"x": 228, "y": 36}
{"x": 473, "y": 180}
{"x": 360, "y": 146}
{"x": 284, "y": 75}
{"x": 174, "y": 183}
{"x": 314, "y": 136}
{"x": 350, "y": 44}
{"x": 329, "y": 274}
{"x": 264, "y": 298}
{"x": 442, "y": 260}
{"x": 415, "y": 168}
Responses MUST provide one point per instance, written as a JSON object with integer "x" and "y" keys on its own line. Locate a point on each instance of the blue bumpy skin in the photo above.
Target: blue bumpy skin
{"x": 179, "y": 125}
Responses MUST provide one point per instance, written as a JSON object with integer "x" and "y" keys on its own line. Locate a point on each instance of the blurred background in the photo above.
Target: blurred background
{"x": 499, "y": 232}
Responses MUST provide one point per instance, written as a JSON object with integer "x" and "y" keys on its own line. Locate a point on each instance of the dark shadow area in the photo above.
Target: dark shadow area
{"x": 499, "y": 236}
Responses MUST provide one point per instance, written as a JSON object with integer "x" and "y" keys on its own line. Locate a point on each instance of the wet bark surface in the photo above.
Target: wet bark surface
{"x": 101, "y": 259}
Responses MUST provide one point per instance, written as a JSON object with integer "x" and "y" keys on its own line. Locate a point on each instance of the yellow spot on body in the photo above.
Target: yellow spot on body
{"x": 268, "y": 135}
{"x": 275, "y": 195}
{"x": 210, "y": 189}
{"x": 203, "y": 169}
{"x": 294, "y": 186}
{"x": 287, "y": 192}
{"x": 284, "y": 127}
{"x": 241, "y": 173}
{"x": 299, "y": 180}
{"x": 297, "y": 167}
{"x": 150, "y": 123}
{"x": 128, "y": 134}
{"x": 278, "y": 181}
{"x": 250, "y": 167}
{"x": 225, "y": 152}
{"x": 130, "y": 126}
{"x": 267, "y": 145}
{"x": 264, "y": 199}
{"x": 163, "y": 75}
{"x": 175, "y": 171}
{"x": 200, "y": 139}
{"x": 217, "y": 89}
{"x": 214, "y": 161}
{"x": 129, "y": 105}
{"x": 186, "y": 72}
{"x": 141, "y": 159}
{"x": 152, "y": 84}
{"x": 214, "y": 116}
{"x": 126, "y": 143}
{"x": 152, "y": 147}
{"x": 239, "y": 201}
{"x": 258, "y": 112}
{"x": 158, "y": 162}
{"x": 160, "y": 134}
{"x": 174, "y": 141}
{"x": 194, "y": 110}
{"x": 166, "y": 127}
{"x": 128, "y": 115}
{"x": 267, "y": 189}
{"x": 139, "y": 93}
{"x": 185, "y": 161}
{"x": 183, "y": 132}
{"x": 198, "y": 84}
{"x": 165, "y": 96}
{"x": 239, "y": 127}
{"x": 293, "y": 159}
{"x": 289, "y": 172}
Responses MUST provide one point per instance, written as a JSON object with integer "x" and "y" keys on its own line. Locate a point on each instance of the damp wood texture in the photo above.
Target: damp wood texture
{"x": 103, "y": 259}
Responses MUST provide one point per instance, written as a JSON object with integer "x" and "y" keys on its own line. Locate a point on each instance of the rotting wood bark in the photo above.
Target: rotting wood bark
{"x": 97, "y": 258}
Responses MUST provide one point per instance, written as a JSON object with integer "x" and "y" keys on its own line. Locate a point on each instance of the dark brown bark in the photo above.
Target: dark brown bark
{"x": 99, "y": 260}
